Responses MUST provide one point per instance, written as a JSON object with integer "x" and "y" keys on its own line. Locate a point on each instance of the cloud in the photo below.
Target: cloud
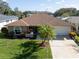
{"x": 60, "y": 2}
{"x": 4, "y": 0}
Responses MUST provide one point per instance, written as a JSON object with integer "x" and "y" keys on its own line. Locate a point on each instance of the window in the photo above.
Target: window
{"x": 17, "y": 30}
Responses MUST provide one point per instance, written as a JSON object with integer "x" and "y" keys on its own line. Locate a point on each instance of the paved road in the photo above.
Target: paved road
{"x": 64, "y": 49}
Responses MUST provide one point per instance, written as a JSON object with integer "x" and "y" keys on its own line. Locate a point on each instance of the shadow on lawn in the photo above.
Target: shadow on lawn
{"x": 29, "y": 51}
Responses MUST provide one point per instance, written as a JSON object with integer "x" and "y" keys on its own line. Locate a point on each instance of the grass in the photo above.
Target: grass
{"x": 23, "y": 49}
{"x": 2, "y": 36}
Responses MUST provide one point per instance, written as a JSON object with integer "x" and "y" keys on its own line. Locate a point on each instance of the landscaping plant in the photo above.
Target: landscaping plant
{"x": 4, "y": 31}
{"x": 72, "y": 34}
{"x": 46, "y": 33}
{"x": 77, "y": 38}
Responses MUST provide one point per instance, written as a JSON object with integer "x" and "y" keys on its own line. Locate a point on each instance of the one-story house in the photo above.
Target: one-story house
{"x": 23, "y": 25}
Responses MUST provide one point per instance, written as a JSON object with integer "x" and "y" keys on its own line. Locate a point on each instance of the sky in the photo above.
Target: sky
{"x": 42, "y": 5}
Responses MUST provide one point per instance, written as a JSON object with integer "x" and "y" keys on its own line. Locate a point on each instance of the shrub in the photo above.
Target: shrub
{"x": 2, "y": 35}
{"x": 77, "y": 33}
{"x": 11, "y": 34}
{"x": 77, "y": 38}
{"x": 4, "y": 30}
{"x": 72, "y": 34}
{"x": 22, "y": 35}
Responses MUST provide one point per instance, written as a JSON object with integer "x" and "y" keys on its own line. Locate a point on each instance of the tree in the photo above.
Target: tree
{"x": 18, "y": 13}
{"x": 77, "y": 13}
{"x": 16, "y": 9}
{"x": 4, "y": 8}
{"x": 66, "y": 12}
{"x": 46, "y": 33}
{"x": 25, "y": 13}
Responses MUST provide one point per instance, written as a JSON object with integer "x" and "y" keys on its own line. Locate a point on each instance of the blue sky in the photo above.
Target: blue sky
{"x": 42, "y": 5}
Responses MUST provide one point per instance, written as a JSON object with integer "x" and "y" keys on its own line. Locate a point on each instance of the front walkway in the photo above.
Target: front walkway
{"x": 64, "y": 49}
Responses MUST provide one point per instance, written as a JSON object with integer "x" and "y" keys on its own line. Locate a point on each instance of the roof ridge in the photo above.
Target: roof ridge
{"x": 24, "y": 22}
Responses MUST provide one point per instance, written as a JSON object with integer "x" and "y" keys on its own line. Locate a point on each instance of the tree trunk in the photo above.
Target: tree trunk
{"x": 43, "y": 43}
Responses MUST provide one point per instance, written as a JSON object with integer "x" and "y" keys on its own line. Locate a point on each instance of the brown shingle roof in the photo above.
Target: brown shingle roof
{"x": 38, "y": 19}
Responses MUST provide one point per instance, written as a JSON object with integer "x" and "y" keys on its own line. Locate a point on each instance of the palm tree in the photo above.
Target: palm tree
{"x": 46, "y": 33}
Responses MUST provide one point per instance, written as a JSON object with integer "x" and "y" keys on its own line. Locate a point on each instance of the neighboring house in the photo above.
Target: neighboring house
{"x": 23, "y": 25}
{"x": 4, "y": 19}
{"x": 73, "y": 20}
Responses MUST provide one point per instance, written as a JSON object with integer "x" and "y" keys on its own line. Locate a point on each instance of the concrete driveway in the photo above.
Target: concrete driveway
{"x": 64, "y": 49}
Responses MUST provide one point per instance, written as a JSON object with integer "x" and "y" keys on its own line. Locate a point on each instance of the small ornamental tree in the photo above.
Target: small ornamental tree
{"x": 46, "y": 33}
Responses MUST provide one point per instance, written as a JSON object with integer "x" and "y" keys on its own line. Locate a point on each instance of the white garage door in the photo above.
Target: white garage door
{"x": 61, "y": 30}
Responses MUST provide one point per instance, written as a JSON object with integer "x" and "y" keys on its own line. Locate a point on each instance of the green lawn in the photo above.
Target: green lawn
{"x": 23, "y": 49}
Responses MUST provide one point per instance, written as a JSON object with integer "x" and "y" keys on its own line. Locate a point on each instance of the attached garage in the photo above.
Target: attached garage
{"x": 62, "y": 30}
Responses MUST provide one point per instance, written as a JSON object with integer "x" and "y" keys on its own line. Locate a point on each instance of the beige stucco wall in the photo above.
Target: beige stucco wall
{"x": 23, "y": 28}
{"x": 11, "y": 28}
{"x": 59, "y": 30}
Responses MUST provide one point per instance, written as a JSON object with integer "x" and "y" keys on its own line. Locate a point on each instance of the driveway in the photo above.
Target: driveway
{"x": 60, "y": 37}
{"x": 64, "y": 49}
